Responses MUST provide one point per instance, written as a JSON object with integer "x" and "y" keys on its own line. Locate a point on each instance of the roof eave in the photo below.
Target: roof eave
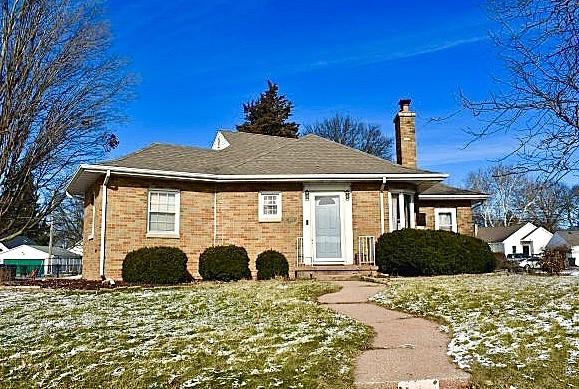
{"x": 74, "y": 189}
{"x": 453, "y": 197}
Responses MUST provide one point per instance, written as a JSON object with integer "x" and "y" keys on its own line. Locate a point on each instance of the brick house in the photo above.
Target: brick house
{"x": 320, "y": 203}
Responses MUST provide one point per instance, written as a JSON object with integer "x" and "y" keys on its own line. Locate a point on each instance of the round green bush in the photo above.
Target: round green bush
{"x": 412, "y": 252}
{"x": 271, "y": 264}
{"x": 156, "y": 265}
{"x": 224, "y": 263}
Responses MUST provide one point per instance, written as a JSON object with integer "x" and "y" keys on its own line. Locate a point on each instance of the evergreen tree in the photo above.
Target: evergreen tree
{"x": 269, "y": 115}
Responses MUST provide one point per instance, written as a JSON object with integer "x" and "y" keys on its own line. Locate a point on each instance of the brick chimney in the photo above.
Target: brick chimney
{"x": 405, "y": 126}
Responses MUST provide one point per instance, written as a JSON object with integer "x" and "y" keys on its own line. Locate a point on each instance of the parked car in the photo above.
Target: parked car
{"x": 516, "y": 257}
{"x": 530, "y": 263}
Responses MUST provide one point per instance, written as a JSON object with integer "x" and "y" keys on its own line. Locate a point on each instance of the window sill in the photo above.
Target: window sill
{"x": 162, "y": 235}
{"x": 276, "y": 220}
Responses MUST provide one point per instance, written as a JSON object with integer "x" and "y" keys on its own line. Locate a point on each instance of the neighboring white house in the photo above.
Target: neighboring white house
{"x": 524, "y": 238}
{"x": 28, "y": 258}
{"x": 568, "y": 240}
{"x": 77, "y": 248}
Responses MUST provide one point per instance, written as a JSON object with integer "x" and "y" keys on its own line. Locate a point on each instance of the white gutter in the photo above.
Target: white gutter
{"x": 103, "y": 223}
{"x": 453, "y": 197}
{"x": 382, "y": 205}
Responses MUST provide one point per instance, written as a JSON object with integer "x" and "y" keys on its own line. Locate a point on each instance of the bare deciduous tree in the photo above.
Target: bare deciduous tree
{"x": 68, "y": 222}
{"x": 538, "y": 99}
{"x": 509, "y": 201}
{"x": 60, "y": 89}
{"x": 354, "y": 133}
{"x": 554, "y": 206}
{"x": 516, "y": 198}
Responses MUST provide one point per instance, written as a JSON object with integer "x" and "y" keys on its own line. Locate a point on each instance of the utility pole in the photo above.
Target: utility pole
{"x": 50, "y": 268}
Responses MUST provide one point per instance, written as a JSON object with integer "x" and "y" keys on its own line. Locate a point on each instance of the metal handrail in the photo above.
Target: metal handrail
{"x": 300, "y": 251}
{"x": 366, "y": 250}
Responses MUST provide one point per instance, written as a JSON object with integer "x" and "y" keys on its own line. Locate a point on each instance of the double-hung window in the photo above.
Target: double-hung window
{"x": 163, "y": 212}
{"x": 270, "y": 206}
{"x": 445, "y": 219}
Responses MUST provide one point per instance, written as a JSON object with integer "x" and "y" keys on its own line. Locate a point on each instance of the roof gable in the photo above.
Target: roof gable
{"x": 500, "y": 233}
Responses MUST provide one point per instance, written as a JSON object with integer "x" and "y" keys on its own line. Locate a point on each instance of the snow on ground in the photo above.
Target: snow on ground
{"x": 520, "y": 330}
{"x": 244, "y": 334}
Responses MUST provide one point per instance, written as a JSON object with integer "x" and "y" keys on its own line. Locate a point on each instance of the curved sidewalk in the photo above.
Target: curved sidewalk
{"x": 405, "y": 348}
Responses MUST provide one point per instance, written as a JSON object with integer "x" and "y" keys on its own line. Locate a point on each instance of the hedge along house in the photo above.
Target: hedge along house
{"x": 321, "y": 204}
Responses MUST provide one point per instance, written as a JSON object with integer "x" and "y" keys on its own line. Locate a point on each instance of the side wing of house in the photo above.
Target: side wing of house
{"x": 448, "y": 208}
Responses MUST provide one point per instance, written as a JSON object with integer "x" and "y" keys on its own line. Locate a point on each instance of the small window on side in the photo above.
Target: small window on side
{"x": 445, "y": 219}
{"x": 270, "y": 207}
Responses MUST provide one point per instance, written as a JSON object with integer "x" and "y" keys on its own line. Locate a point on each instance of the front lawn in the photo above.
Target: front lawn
{"x": 244, "y": 334}
{"x": 508, "y": 330}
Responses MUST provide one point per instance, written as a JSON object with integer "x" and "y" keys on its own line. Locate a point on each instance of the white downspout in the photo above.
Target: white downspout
{"x": 382, "y": 205}
{"x": 103, "y": 223}
{"x": 215, "y": 217}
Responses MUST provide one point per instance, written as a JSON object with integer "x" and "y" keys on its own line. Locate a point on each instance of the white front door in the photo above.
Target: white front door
{"x": 327, "y": 225}
{"x": 327, "y": 228}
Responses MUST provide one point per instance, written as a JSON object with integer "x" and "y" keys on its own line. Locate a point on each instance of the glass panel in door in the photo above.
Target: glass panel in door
{"x": 328, "y": 228}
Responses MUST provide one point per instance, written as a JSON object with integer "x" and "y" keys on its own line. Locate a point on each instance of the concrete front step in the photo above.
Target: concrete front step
{"x": 335, "y": 272}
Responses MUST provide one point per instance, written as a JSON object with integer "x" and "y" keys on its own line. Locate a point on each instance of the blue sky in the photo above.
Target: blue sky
{"x": 199, "y": 61}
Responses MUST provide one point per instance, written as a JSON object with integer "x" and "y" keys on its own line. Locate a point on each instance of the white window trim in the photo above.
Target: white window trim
{"x": 164, "y": 234}
{"x": 93, "y": 221}
{"x": 452, "y": 212}
{"x": 270, "y": 218}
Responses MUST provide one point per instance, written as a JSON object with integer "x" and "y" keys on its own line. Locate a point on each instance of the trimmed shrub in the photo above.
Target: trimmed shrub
{"x": 224, "y": 263}
{"x": 271, "y": 264}
{"x": 156, "y": 265}
{"x": 411, "y": 252}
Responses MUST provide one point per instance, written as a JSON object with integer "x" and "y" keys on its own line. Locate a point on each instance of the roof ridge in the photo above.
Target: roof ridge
{"x": 182, "y": 146}
{"x": 150, "y": 146}
{"x": 258, "y": 135}
{"x": 361, "y": 152}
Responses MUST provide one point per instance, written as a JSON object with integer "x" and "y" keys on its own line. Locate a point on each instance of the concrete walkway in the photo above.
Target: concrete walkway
{"x": 405, "y": 348}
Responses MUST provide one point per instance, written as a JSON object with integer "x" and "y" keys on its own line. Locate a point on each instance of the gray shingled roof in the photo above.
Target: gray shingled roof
{"x": 497, "y": 234}
{"x": 59, "y": 252}
{"x": 570, "y": 236}
{"x": 18, "y": 241}
{"x": 443, "y": 189}
{"x": 254, "y": 154}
